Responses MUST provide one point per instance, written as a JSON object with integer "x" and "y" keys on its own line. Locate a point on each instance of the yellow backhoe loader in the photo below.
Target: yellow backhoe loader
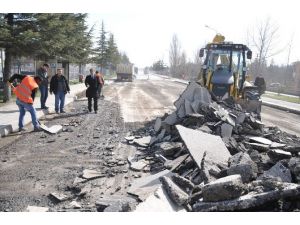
{"x": 224, "y": 72}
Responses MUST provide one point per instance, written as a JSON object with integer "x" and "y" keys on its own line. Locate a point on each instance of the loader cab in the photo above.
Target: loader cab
{"x": 224, "y": 68}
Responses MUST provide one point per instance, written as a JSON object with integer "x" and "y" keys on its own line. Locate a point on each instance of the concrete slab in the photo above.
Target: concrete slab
{"x": 198, "y": 142}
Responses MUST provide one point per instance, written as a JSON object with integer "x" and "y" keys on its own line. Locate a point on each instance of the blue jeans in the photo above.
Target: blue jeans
{"x": 59, "y": 101}
{"x": 23, "y": 107}
{"x": 44, "y": 94}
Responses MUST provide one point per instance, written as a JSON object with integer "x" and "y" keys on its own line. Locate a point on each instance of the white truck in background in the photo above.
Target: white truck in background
{"x": 125, "y": 72}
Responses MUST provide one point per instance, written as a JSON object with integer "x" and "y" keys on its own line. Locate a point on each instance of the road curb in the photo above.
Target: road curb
{"x": 295, "y": 111}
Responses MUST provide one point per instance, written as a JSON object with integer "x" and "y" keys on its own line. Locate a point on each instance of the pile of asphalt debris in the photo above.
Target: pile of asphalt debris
{"x": 213, "y": 156}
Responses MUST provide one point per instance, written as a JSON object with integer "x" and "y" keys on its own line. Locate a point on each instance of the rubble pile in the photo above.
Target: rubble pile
{"x": 213, "y": 156}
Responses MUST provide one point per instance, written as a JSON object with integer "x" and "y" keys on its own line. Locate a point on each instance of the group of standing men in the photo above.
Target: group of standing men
{"x": 26, "y": 90}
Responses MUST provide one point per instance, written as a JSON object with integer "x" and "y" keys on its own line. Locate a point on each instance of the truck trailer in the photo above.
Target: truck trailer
{"x": 125, "y": 72}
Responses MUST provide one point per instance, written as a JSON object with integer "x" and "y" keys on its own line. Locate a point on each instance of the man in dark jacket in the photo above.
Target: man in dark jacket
{"x": 59, "y": 86}
{"x": 261, "y": 84}
{"x": 92, "y": 82}
{"x": 42, "y": 73}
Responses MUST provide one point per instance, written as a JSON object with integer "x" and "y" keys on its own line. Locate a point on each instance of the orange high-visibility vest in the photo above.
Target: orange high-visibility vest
{"x": 24, "y": 90}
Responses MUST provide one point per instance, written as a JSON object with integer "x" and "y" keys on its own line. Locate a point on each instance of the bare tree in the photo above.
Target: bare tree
{"x": 174, "y": 55}
{"x": 265, "y": 41}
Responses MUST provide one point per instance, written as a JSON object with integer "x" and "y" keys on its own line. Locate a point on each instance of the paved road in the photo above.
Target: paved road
{"x": 288, "y": 122}
{"x": 144, "y": 100}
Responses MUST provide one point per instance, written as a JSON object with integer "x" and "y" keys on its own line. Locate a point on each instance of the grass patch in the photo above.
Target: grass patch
{"x": 284, "y": 98}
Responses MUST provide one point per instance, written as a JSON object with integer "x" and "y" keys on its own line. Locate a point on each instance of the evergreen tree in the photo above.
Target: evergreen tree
{"x": 112, "y": 53}
{"x": 101, "y": 50}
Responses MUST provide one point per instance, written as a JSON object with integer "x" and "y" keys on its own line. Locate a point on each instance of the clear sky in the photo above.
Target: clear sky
{"x": 144, "y": 28}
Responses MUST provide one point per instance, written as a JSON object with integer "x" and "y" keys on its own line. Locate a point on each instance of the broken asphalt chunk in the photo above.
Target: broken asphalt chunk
{"x": 250, "y": 201}
{"x": 278, "y": 171}
{"x": 225, "y": 188}
{"x": 174, "y": 192}
{"x": 242, "y": 164}
{"x": 170, "y": 148}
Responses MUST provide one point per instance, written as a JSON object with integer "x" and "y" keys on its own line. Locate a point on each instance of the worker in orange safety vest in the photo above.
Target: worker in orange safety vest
{"x": 25, "y": 93}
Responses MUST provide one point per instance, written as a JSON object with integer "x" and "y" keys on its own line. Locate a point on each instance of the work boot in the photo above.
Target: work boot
{"x": 62, "y": 111}
{"x": 37, "y": 129}
{"x": 95, "y": 112}
{"x": 22, "y": 129}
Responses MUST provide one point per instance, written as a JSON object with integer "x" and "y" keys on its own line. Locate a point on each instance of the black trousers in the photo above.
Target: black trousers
{"x": 95, "y": 103}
